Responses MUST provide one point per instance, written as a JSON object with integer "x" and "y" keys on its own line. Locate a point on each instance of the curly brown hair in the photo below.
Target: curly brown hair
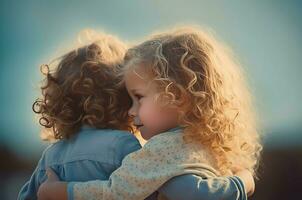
{"x": 85, "y": 89}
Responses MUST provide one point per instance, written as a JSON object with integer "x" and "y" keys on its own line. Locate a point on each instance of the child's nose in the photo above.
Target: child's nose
{"x": 132, "y": 111}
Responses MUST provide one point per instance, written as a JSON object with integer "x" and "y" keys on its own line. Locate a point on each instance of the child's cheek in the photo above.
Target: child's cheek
{"x": 148, "y": 113}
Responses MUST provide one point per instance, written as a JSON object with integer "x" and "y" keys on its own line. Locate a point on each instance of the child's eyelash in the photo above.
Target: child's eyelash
{"x": 138, "y": 96}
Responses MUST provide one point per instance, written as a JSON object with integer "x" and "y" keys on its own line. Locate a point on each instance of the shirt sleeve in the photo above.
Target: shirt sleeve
{"x": 30, "y": 188}
{"x": 140, "y": 174}
{"x": 194, "y": 187}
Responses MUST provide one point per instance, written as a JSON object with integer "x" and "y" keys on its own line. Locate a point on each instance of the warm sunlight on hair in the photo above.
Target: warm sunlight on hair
{"x": 198, "y": 74}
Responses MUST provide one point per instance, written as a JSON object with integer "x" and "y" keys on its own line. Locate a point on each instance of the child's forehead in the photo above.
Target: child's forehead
{"x": 138, "y": 70}
{"x": 136, "y": 79}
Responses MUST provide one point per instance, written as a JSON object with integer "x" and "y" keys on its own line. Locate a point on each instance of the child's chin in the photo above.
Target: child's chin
{"x": 146, "y": 135}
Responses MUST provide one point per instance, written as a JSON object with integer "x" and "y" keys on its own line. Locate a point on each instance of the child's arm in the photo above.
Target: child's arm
{"x": 248, "y": 180}
{"x": 141, "y": 173}
{"x": 189, "y": 187}
{"x": 52, "y": 188}
{"x": 137, "y": 178}
{"x": 30, "y": 188}
{"x": 193, "y": 187}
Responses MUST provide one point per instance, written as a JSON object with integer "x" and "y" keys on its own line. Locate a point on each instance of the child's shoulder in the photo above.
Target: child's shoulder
{"x": 110, "y": 134}
{"x": 172, "y": 137}
{"x": 172, "y": 142}
{"x": 91, "y": 143}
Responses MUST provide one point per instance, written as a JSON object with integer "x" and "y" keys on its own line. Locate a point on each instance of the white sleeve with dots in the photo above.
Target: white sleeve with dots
{"x": 144, "y": 171}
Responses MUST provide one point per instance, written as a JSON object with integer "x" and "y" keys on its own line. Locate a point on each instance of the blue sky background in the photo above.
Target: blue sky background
{"x": 265, "y": 35}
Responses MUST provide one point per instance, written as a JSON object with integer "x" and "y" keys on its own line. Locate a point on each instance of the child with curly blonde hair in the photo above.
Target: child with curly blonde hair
{"x": 190, "y": 101}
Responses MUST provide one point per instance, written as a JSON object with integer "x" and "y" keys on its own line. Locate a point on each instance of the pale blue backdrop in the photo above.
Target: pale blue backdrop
{"x": 265, "y": 35}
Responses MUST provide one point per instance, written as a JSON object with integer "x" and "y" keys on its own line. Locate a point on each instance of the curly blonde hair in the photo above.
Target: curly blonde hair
{"x": 199, "y": 76}
{"x": 84, "y": 89}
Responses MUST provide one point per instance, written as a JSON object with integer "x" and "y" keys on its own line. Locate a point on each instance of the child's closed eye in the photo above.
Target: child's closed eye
{"x": 138, "y": 96}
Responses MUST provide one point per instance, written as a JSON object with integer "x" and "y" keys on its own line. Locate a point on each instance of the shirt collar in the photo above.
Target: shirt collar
{"x": 175, "y": 129}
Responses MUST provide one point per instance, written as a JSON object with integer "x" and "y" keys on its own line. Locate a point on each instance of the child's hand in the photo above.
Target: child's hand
{"x": 248, "y": 180}
{"x": 52, "y": 188}
{"x": 51, "y": 176}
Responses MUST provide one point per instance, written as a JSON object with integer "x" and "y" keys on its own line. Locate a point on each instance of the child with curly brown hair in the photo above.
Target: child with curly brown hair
{"x": 84, "y": 108}
{"x": 191, "y": 103}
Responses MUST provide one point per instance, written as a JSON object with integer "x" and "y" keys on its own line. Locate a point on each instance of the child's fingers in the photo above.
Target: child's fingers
{"x": 51, "y": 175}
{"x": 236, "y": 168}
{"x": 248, "y": 180}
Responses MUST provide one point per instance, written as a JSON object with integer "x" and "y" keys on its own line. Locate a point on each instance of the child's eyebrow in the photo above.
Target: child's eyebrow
{"x": 135, "y": 90}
